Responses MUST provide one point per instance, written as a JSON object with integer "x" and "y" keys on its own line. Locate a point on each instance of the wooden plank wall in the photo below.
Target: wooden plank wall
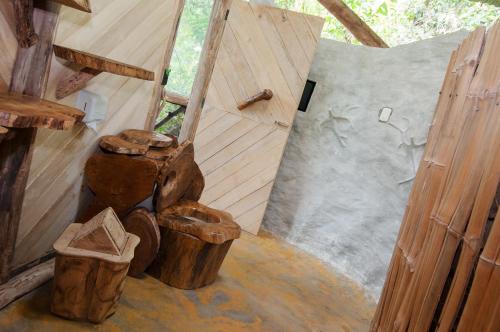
{"x": 239, "y": 152}
{"x": 8, "y": 43}
{"x": 136, "y": 32}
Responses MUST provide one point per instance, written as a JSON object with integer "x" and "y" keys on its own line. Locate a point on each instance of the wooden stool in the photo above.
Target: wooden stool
{"x": 194, "y": 241}
{"x": 92, "y": 262}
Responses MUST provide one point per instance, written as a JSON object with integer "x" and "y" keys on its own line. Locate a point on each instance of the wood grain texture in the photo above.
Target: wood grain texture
{"x": 452, "y": 195}
{"x": 187, "y": 262}
{"x": 193, "y": 218}
{"x": 88, "y": 283}
{"x": 145, "y": 137}
{"x": 115, "y": 30}
{"x": 83, "y": 5}
{"x": 213, "y": 39}
{"x": 73, "y": 82}
{"x": 195, "y": 189}
{"x": 353, "y": 23}
{"x": 175, "y": 98}
{"x": 175, "y": 177}
{"x": 103, "y": 233}
{"x": 265, "y": 94}
{"x": 28, "y": 77}
{"x": 142, "y": 223}
{"x": 120, "y": 181}
{"x": 87, "y": 288}
{"x": 8, "y": 43}
{"x": 102, "y": 64}
{"x": 25, "y": 282}
{"x": 21, "y": 111}
{"x": 118, "y": 145}
{"x": 482, "y": 309}
{"x": 239, "y": 152}
{"x": 25, "y": 30}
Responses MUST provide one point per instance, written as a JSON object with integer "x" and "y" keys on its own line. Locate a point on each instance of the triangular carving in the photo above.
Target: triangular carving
{"x": 104, "y": 233}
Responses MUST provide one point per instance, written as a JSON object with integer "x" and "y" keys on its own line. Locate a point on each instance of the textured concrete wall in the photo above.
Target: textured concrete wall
{"x": 344, "y": 181}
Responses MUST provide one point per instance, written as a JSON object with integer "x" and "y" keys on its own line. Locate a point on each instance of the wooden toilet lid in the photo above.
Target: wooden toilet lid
{"x": 207, "y": 224}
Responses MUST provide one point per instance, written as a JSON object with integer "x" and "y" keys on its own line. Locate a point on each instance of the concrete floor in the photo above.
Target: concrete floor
{"x": 264, "y": 285}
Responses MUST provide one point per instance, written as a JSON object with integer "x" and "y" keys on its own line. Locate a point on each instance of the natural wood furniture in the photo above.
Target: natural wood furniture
{"x": 89, "y": 278}
{"x": 148, "y": 138}
{"x": 119, "y": 181}
{"x": 92, "y": 65}
{"x": 194, "y": 237}
{"x": 176, "y": 176}
{"x": 194, "y": 241}
{"x": 265, "y": 94}
{"x": 119, "y": 145}
{"x": 22, "y": 114}
{"x": 142, "y": 223}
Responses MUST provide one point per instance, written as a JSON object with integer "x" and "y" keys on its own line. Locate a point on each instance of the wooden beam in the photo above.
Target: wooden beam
{"x": 28, "y": 77}
{"x": 157, "y": 104}
{"x": 353, "y": 23}
{"x": 175, "y": 98}
{"x": 26, "y": 36}
{"x": 218, "y": 18}
{"x": 25, "y": 282}
{"x": 92, "y": 65}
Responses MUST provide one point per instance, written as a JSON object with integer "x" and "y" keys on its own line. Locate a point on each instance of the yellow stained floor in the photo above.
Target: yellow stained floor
{"x": 264, "y": 285}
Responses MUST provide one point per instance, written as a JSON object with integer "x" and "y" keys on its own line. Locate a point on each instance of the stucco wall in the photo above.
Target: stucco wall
{"x": 343, "y": 184}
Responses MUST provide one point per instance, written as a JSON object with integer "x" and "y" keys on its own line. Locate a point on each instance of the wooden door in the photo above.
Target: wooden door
{"x": 239, "y": 152}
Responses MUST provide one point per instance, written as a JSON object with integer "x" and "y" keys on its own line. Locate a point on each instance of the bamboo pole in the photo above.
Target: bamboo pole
{"x": 482, "y": 310}
{"x": 353, "y": 23}
{"x": 213, "y": 39}
{"x": 449, "y": 186}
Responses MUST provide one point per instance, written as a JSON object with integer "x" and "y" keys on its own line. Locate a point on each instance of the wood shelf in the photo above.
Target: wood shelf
{"x": 83, "y": 5}
{"x": 93, "y": 65}
{"x": 20, "y": 111}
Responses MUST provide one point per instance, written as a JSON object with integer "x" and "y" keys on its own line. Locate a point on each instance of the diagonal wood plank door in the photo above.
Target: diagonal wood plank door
{"x": 239, "y": 152}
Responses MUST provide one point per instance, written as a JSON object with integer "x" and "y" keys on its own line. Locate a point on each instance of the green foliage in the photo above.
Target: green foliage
{"x": 396, "y": 21}
{"x": 402, "y": 21}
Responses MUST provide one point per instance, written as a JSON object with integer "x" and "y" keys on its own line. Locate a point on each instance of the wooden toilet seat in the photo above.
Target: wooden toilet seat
{"x": 207, "y": 224}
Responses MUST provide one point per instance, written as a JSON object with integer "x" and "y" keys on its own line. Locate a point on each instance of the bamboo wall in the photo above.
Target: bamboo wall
{"x": 444, "y": 245}
{"x": 136, "y": 32}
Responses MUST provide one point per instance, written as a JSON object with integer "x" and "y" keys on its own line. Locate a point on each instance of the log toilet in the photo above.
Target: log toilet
{"x": 92, "y": 261}
{"x": 194, "y": 238}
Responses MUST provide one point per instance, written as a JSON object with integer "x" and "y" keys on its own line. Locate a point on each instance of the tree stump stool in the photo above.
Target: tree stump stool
{"x": 194, "y": 242}
{"x": 92, "y": 261}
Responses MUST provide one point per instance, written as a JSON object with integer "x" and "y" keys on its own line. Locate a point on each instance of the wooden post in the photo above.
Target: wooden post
{"x": 28, "y": 77}
{"x": 213, "y": 39}
{"x": 353, "y": 23}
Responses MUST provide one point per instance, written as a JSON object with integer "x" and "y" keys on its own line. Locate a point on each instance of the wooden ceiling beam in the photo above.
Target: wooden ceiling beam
{"x": 353, "y": 23}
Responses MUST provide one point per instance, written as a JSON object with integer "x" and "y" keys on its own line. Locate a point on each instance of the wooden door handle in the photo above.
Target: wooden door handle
{"x": 265, "y": 94}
